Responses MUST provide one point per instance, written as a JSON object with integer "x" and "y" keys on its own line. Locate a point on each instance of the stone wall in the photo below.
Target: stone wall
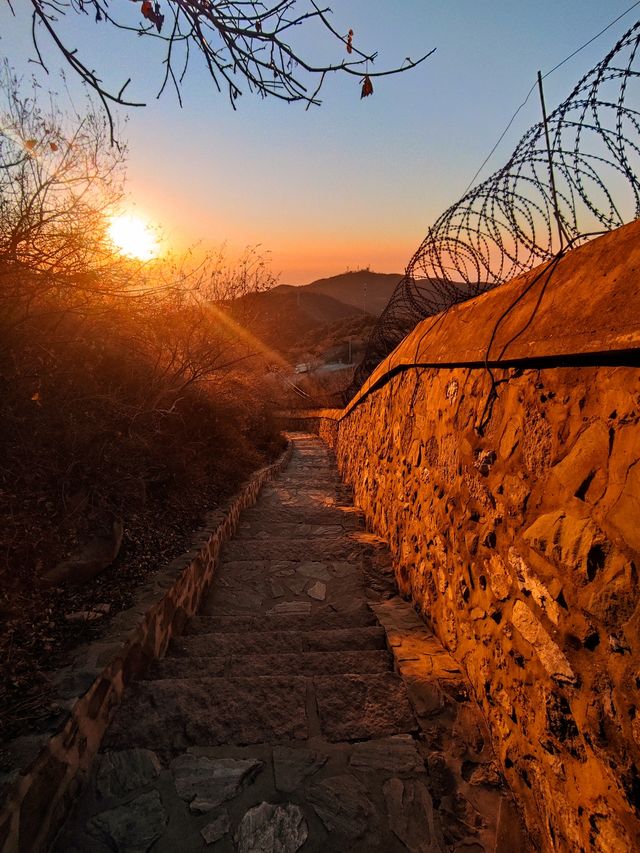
{"x": 514, "y": 521}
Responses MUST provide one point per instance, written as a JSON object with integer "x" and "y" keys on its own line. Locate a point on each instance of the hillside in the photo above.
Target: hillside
{"x": 367, "y": 291}
{"x": 343, "y": 340}
{"x": 283, "y": 316}
{"x": 294, "y": 319}
{"x": 312, "y": 307}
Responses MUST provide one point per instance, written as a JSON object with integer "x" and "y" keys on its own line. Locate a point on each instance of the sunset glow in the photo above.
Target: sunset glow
{"x": 133, "y": 237}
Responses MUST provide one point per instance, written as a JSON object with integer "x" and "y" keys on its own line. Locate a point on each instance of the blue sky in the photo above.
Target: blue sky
{"x": 355, "y": 182}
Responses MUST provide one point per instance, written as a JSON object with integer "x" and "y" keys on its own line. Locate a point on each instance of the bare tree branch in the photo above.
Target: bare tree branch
{"x": 243, "y": 44}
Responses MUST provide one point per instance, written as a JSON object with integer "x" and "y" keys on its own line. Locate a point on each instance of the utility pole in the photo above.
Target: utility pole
{"x": 561, "y": 232}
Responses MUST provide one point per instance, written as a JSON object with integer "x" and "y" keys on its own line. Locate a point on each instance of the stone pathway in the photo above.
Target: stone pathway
{"x": 307, "y": 708}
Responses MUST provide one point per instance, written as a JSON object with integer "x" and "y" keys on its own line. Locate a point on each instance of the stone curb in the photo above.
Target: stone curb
{"x": 51, "y": 767}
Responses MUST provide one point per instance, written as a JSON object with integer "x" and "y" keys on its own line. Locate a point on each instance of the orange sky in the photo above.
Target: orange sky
{"x": 354, "y": 183}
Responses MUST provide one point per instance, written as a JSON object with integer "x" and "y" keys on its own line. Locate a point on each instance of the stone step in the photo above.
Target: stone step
{"x": 311, "y": 464}
{"x": 310, "y": 479}
{"x": 308, "y": 509}
{"x": 174, "y": 714}
{"x": 321, "y": 492}
{"x": 324, "y": 484}
{"x": 357, "y": 707}
{"x": 287, "y": 548}
{"x": 284, "y": 530}
{"x": 305, "y": 664}
{"x": 307, "y": 497}
{"x": 313, "y": 484}
{"x": 223, "y": 644}
{"x": 304, "y": 502}
{"x": 322, "y": 618}
{"x": 347, "y": 518}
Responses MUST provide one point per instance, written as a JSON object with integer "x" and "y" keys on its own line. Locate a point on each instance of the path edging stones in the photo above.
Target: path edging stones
{"x": 51, "y": 767}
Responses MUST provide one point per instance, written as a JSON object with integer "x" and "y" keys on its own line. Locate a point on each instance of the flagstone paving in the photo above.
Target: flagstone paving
{"x": 307, "y": 708}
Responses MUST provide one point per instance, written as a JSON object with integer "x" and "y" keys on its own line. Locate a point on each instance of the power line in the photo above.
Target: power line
{"x": 555, "y": 68}
{"x": 587, "y": 43}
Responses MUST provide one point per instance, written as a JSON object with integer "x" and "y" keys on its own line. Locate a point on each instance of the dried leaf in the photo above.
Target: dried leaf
{"x": 350, "y": 42}
{"x": 30, "y": 144}
{"x": 367, "y": 87}
{"x": 152, "y": 13}
{"x": 53, "y": 146}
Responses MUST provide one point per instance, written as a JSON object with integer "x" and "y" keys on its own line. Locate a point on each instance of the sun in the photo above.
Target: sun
{"x": 133, "y": 237}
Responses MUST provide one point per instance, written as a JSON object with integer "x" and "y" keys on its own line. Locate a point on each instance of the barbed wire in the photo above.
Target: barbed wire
{"x": 546, "y": 197}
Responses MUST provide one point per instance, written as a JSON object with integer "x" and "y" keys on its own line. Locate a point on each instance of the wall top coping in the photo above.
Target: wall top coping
{"x": 324, "y": 414}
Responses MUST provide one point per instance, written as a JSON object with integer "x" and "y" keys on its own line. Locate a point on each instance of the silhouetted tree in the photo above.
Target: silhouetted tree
{"x": 245, "y": 43}
{"x": 58, "y": 180}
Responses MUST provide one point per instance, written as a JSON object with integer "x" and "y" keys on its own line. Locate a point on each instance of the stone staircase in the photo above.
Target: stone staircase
{"x": 306, "y": 708}
{"x": 255, "y": 686}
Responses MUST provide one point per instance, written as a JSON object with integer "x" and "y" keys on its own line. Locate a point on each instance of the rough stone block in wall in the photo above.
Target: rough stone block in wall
{"x": 328, "y": 432}
{"x": 520, "y": 545}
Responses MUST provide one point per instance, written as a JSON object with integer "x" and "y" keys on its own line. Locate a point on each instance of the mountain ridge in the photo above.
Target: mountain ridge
{"x": 364, "y": 290}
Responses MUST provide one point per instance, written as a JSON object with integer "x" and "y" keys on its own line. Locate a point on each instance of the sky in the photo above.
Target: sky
{"x": 353, "y": 183}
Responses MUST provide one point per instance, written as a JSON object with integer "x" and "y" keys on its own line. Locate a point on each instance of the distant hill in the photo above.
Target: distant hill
{"x": 283, "y": 316}
{"x": 365, "y": 290}
{"x": 295, "y": 320}
{"x": 316, "y": 307}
